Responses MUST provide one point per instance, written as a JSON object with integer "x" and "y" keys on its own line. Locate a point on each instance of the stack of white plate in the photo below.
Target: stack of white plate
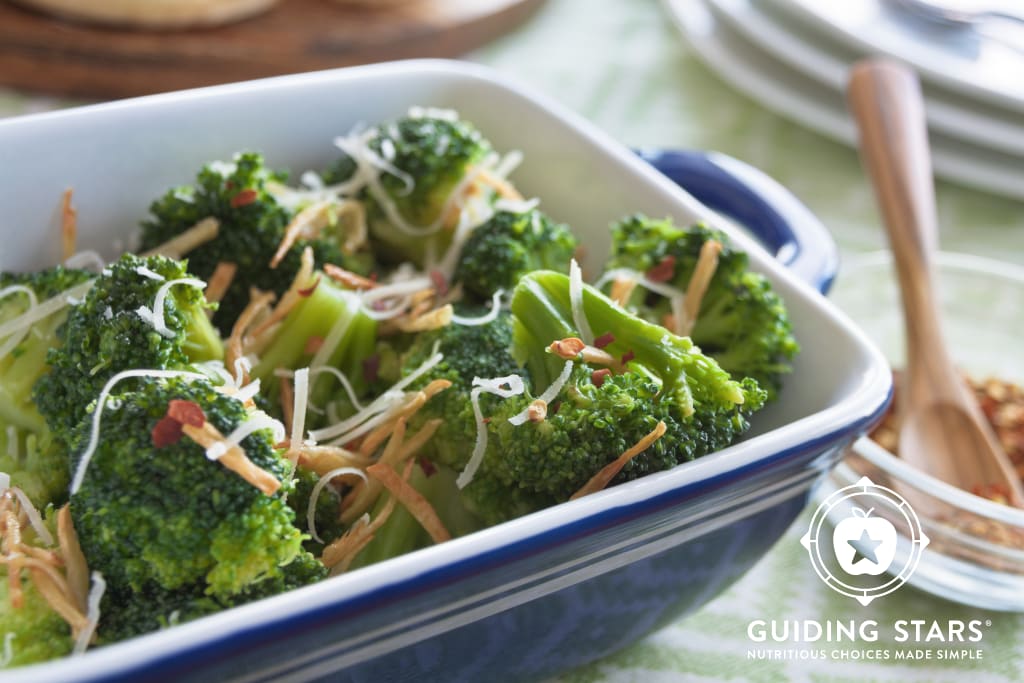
{"x": 793, "y": 56}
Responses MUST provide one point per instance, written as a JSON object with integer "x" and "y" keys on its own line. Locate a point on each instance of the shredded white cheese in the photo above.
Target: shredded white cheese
{"x": 155, "y": 316}
{"x": 318, "y": 489}
{"x": 382, "y": 403}
{"x": 248, "y": 392}
{"x": 151, "y": 274}
{"x": 516, "y": 205}
{"x": 92, "y": 614}
{"x": 433, "y": 113}
{"x": 299, "y": 407}
{"x": 343, "y": 380}
{"x": 579, "y": 316}
{"x": 34, "y": 518}
{"x": 97, "y": 415}
{"x": 488, "y": 317}
{"x": 549, "y": 394}
{"x": 257, "y": 421}
{"x": 16, "y": 338}
{"x": 505, "y": 387}
{"x": 5, "y": 481}
{"x": 86, "y": 260}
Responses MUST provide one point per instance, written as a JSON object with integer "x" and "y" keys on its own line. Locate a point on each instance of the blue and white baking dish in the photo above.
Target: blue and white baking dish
{"x": 542, "y": 593}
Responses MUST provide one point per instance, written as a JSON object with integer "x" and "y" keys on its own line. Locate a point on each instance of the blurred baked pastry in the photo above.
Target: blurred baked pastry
{"x": 152, "y": 14}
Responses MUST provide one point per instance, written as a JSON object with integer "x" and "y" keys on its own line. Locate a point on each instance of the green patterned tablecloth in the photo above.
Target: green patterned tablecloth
{"x": 623, "y": 65}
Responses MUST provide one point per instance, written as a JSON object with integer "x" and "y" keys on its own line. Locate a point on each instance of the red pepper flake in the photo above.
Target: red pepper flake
{"x": 429, "y": 469}
{"x": 229, "y": 184}
{"x": 371, "y": 368}
{"x": 244, "y": 198}
{"x": 308, "y": 292}
{"x": 627, "y": 356}
{"x": 373, "y": 276}
{"x": 166, "y": 432}
{"x": 598, "y": 376}
{"x": 553, "y": 408}
{"x": 313, "y": 345}
{"x": 486, "y": 421}
{"x": 664, "y": 271}
{"x": 604, "y": 340}
{"x": 186, "y": 412}
{"x": 440, "y": 283}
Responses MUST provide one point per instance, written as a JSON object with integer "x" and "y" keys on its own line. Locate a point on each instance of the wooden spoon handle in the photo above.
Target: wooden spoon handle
{"x": 885, "y": 98}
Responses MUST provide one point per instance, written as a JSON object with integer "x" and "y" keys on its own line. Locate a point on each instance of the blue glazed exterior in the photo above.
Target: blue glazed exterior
{"x": 574, "y": 592}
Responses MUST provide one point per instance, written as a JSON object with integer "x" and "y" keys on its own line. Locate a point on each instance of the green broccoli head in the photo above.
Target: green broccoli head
{"x": 327, "y": 510}
{"x": 510, "y": 245}
{"x": 125, "y": 613}
{"x": 167, "y": 516}
{"x": 742, "y": 322}
{"x": 22, "y": 367}
{"x": 421, "y": 160}
{"x": 599, "y": 415}
{"x": 115, "y": 329}
{"x": 252, "y": 221}
{"x": 469, "y": 351}
{"x": 28, "y": 452}
{"x": 327, "y": 313}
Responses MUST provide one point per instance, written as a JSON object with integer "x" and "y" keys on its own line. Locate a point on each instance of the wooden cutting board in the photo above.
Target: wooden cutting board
{"x": 44, "y": 54}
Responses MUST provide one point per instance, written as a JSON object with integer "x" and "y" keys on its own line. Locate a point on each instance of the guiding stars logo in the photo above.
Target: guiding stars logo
{"x": 875, "y": 545}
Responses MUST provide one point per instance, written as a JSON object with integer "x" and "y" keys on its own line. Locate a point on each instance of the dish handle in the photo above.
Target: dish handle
{"x": 747, "y": 195}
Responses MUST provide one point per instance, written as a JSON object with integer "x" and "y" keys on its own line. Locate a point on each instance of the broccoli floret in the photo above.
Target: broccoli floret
{"x": 109, "y": 332}
{"x": 36, "y": 632}
{"x": 36, "y": 464}
{"x": 126, "y": 613}
{"x": 510, "y": 245}
{"x": 169, "y": 518}
{"x": 327, "y": 515}
{"x": 469, "y": 351}
{"x": 327, "y": 308}
{"x": 26, "y": 363}
{"x": 252, "y": 225}
{"x": 742, "y": 323}
{"x": 425, "y": 157}
{"x": 598, "y": 417}
{"x": 27, "y": 450}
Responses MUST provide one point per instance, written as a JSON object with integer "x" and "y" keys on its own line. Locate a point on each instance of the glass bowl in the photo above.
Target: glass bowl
{"x": 976, "y": 550}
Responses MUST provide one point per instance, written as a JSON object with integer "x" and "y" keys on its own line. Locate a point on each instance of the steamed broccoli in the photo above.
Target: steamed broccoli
{"x": 421, "y": 159}
{"x": 324, "y": 313}
{"x": 469, "y": 351}
{"x": 742, "y": 322}
{"x": 660, "y": 377}
{"x": 114, "y": 329}
{"x": 510, "y": 245}
{"x": 26, "y": 362}
{"x": 252, "y": 220}
{"x": 27, "y": 450}
{"x": 158, "y": 517}
{"x": 327, "y": 512}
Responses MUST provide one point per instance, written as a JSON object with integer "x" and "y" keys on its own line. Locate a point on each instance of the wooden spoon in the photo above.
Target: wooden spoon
{"x": 944, "y": 432}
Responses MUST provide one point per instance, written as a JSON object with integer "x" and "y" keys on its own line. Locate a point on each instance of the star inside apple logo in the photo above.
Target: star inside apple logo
{"x": 871, "y": 526}
{"x": 864, "y": 544}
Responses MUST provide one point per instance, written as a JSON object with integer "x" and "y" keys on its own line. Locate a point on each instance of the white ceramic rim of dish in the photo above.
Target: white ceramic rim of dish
{"x": 999, "y": 131}
{"x": 889, "y": 462}
{"x": 763, "y": 78}
{"x": 861, "y": 395}
{"x": 812, "y": 11}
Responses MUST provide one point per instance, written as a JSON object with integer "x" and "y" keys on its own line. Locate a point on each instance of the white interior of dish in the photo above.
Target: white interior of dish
{"x": 118, "y": 157}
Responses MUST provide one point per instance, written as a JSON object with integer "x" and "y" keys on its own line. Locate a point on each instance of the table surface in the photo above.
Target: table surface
{"x": 624, "y": 66}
